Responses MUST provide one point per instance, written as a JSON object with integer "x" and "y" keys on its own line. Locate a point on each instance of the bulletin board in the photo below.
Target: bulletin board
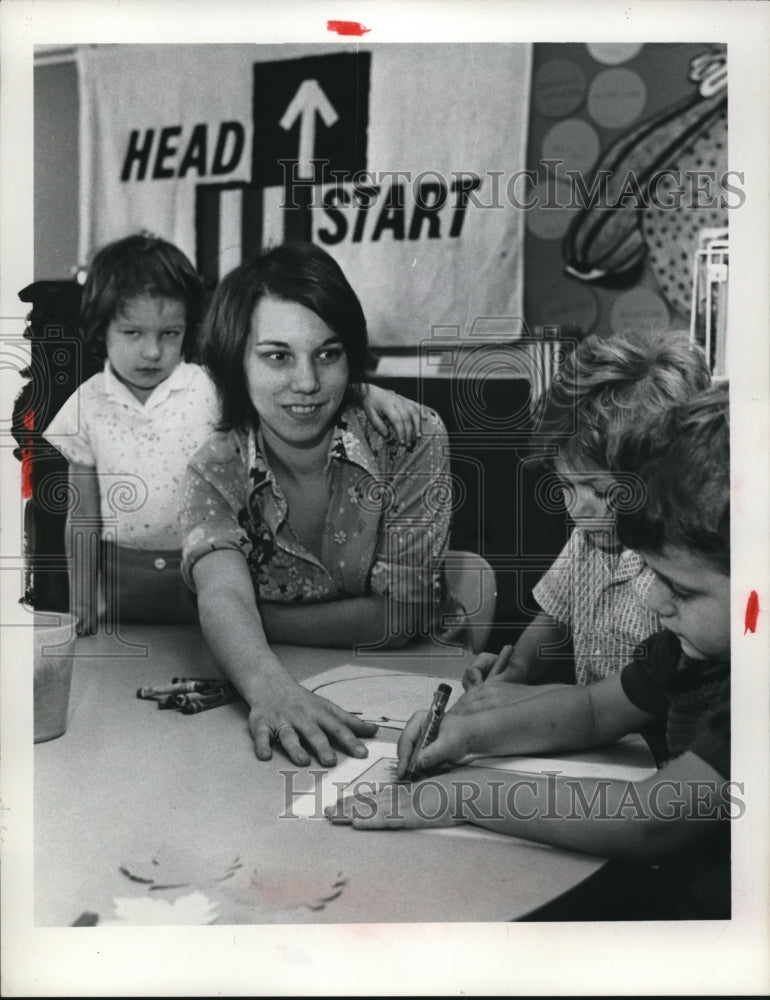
{"x": 653, "y": 117}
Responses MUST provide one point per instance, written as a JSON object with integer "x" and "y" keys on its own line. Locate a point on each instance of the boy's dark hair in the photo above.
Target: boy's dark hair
{"x": 680, "y": 463}
{"x": 141, "y": 264}
{"x": 607, "y": 384}
{"x": 292, "y": 272}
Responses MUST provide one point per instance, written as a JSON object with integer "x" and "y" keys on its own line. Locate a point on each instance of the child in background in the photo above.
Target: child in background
{"x": 129, "y": 431}
{"x": 594, "y": 592}
{"x": 678, "y": 691}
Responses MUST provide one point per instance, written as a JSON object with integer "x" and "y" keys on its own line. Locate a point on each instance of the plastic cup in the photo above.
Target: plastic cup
{"x": 54, "y": 643}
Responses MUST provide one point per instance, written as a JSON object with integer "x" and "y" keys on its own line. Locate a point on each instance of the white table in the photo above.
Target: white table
{"x": 127, "y": 778}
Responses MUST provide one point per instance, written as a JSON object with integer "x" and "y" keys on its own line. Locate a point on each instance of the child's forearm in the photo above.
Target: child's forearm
{"x": 639, "y": 821}
{"x": 529, "y": 662}
{"x": 496, "y": 719}
{"x": 558, "y": 718}
{"x": 82, "y": 539}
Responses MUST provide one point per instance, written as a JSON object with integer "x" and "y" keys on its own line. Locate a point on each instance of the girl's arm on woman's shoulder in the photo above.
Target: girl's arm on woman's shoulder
{"x": 389, "y": 411}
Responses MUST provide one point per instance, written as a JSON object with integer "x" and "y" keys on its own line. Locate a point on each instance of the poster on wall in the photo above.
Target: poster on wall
{"x": 383, "y": 155}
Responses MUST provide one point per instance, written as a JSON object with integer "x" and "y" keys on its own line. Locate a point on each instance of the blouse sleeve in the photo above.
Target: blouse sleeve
{"x": 415, "y": 528}
{"x": 213, "y": 503}
{"x": 69, "y": 433}
{"x": 554, "y": 590}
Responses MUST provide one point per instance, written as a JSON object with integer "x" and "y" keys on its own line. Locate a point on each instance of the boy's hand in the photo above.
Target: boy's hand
{"x": 400, "y": 806}
{"x": 389, "y": 411}
{"x": 450, "y": 746}
{"x": 478, "y": 671}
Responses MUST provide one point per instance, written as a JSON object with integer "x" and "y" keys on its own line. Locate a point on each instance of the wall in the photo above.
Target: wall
{"x": 570, "y": 117}
{"x": 56, "y": 170}
{"x": 584, "y": 99}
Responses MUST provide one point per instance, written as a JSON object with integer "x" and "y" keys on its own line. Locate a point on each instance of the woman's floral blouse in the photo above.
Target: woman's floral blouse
{"x": 387, "y": 524}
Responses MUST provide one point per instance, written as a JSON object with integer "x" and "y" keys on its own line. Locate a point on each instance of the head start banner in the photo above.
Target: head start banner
{"x": 392, "y": 157}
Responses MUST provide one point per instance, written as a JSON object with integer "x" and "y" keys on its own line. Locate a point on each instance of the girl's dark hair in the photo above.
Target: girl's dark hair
{"x": 293, "y": 272}
{"x": 141, "y": 264}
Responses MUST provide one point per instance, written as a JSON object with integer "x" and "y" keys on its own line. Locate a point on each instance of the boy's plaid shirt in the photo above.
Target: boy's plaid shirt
{"x": 600, "y": 596}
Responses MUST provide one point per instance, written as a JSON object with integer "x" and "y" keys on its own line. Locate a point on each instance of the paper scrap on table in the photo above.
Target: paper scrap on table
{"x": 386, "y": 697}
{"x": 264, "y": 888}
{"x": 174, "y": 867}
{"x": 194, "y": 908}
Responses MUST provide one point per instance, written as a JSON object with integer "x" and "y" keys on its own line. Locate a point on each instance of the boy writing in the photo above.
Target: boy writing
{"x": 594, "y": 591}
{"x": 678, "y": 692}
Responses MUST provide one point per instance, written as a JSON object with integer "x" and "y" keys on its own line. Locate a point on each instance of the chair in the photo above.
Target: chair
{"x": 472, "y": 581}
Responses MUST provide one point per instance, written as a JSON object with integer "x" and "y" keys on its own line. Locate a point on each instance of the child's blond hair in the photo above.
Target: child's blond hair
{"x": 608, "y": 384}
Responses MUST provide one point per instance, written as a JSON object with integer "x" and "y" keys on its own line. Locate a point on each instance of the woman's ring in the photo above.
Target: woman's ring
{"x": 279, "y": 730}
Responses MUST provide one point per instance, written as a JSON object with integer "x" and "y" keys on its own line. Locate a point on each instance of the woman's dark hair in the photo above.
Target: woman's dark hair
{"x": 292, "y": 272}
{"x": 141, "y": 264}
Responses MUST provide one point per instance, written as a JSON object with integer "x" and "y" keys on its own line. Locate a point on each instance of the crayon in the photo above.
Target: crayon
{"x": 184, "y": 687}
{"x": 191, "y": 704}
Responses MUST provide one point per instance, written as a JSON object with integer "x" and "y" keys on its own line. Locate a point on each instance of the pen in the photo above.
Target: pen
{"x": 429, "y": 730}
{"x": 501, "y": 662}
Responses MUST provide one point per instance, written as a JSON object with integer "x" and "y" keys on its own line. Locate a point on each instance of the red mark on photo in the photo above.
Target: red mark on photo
{"x": 26, "y": 458}
{"x": 752, "y": 612}
{"x": 347, "y": 27}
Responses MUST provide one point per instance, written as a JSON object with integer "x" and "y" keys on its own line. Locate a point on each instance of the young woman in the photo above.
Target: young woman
{"x": 303, "y": 523}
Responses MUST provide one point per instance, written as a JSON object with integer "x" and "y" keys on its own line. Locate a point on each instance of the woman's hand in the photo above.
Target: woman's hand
{"x": 389, "y": 411}
{"x": 281, "y": 711}
{"x": 303, "y": 724}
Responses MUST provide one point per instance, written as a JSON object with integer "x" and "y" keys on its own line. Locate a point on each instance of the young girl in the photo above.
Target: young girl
{"x": 129, "y": 431}
{"x": 594, "y": 592}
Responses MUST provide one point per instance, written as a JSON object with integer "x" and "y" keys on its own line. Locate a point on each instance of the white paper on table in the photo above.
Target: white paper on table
{"x": 380, "y": 768}
{"x": 386, "y": 697}
{"x": 627, "y": 760}
{"x": 347, "y": 771}
{"x": 390, "y": 698}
